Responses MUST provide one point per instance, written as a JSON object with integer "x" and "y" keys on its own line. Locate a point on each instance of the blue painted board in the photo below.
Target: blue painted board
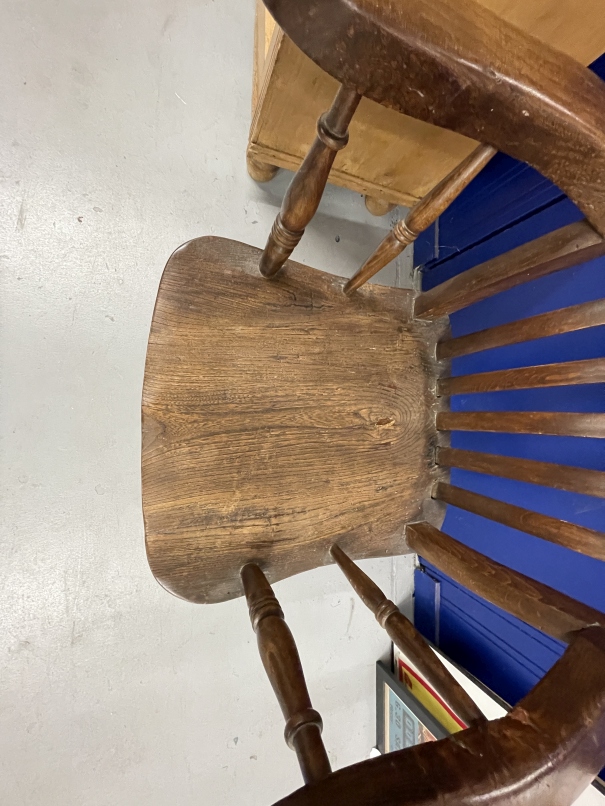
{"x": 504, "y": 194}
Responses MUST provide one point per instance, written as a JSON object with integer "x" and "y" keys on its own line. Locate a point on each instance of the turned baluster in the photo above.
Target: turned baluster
{"x": 422, "y": 215}
{"x": 407, "y": 638}
{"x": 282, "y": 664}
{"x": 306, "y": 189}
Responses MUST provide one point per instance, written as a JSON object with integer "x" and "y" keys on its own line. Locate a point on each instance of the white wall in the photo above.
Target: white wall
{"x": 123, "y": 129}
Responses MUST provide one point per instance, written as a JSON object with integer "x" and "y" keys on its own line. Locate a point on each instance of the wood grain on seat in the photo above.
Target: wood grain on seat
{"x": 278, "y": 417}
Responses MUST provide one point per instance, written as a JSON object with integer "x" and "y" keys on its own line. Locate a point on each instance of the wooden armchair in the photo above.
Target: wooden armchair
{"x": 297, "y": 421}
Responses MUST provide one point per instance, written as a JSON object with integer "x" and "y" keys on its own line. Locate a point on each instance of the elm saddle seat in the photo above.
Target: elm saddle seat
{"x": 292, "y": 418}
{"x": 279, "y": 416}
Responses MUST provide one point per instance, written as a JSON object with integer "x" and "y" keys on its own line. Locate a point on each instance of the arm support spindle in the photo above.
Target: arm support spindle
{"x": 304, "y": 194}
{"x": 422, "y": 215}
{"x": 405, "y": 636}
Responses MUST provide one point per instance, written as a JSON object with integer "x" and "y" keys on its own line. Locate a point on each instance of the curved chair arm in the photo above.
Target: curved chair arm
{"x": 459, "y": 66}
{"x": 544, "y": 753}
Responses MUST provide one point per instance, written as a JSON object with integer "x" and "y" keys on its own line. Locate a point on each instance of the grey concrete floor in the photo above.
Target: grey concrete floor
{"x": 123, "y": 129}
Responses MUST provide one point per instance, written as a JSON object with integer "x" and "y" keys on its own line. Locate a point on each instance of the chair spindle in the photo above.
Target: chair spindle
{"x": 553, "y": 323}
{"x": 284, "y": 670}
{"x": 555, "y": 423}
{"x": 422, "y": 215}
{"x": 405, "y": 636}
{"x": 562, "y": 533}
{"x": 561, "y": 249}
{"x": 306, "y": 189}
{"x": 538, "y": 605}
{"x": 561, "y": 477}
{"x": 569, "y": 373}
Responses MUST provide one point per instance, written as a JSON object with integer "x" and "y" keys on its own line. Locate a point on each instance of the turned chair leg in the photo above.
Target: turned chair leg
{"x": 282, "y": 664}
{"x": 306, "y": 189}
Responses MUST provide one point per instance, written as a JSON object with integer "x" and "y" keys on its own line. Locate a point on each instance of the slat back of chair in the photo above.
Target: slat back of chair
{"x": 489, "y": 366}
{"x": 547, "y": 262}
{"x": 524, "y": 264}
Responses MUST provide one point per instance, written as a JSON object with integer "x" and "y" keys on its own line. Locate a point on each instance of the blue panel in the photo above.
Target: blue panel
{"x": 504, "y": 192}
{"x": 582, "y": 283}
{"x": 504, "y": 653}
{"x": 598, "y": 66}
{"x": 589, "y": 343}
{"x": 580, "y": 398}
{"x": 574, "y": 574}
{"x": 501, "y": 197}
{"x": 556, "y": 215}
{"x": 425, "y": 246}
{"x": 425, "y": 610}
{"x": 585, "y": 510}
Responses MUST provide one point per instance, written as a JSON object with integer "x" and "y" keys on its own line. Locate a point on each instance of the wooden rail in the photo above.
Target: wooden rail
{"x": 558, "y": 423}
{"x": 562, "y": 533}
{"x": 564, "y": 320}
{"x": 560, "y": 477}
{"x": 565, "y": 247}
{"x": 569, "y": 373}
{"x": 462, "y": 67}
{"x": 544, "y": 753}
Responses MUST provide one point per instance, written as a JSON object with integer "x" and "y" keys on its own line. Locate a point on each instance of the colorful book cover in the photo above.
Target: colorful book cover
{"x": 411, "y": 678}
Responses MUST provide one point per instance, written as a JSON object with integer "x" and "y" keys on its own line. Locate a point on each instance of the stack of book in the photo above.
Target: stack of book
{"x": 410, "y": 712}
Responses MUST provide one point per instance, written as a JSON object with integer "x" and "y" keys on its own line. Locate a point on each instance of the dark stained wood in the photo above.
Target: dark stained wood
{"x": 278, "y": 417}
{"x": 565, "y": 247}
{"x": 559, "y": 423}
{"x": 569, "y": 373}
{"x": 578, "y": 538}
{"x": 405, "y": 636}
{"x": 422, "y": 215}
{"x": 306, "y": 189}
{"x": 282, "y": 663}
{"x": 538, "y": 605}
{"x": 544, "y": 753}
{"x": 565, "y": 320}
{"x": 460, "y": 66}
{"x": 561, "y": 477}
